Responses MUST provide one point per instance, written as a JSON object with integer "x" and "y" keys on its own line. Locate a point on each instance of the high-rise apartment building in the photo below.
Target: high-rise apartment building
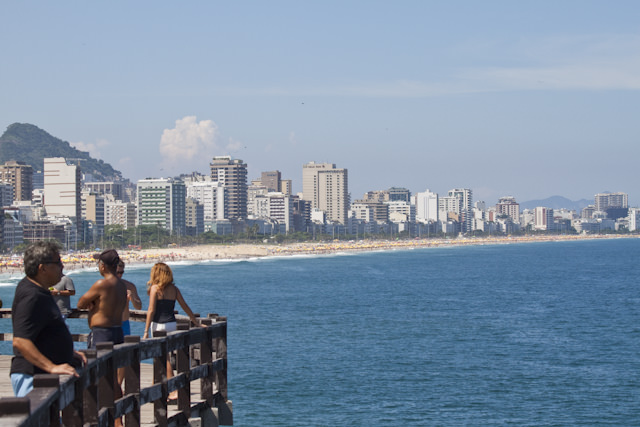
{"x": 603, "y": 201}
{"x": 465, "y": 196}
{"x": 426, "y": 206}
{"x": 6, "y": 195}
{"x": 161, "y": 202}
{"x": 232, "y": 175}
{"x": 62, "y": 194}
{"x": 115, "y": 188}
{"x": 399, "y": 194}
{"x": 194, "y": 217}
{"x": 93, "y": 210}
{"x": 310, "y": 181}
{"x": 543, "y": 218}
{"x": 286, "y": 186}
{"x": 508, "y": 206}
{"x": 327, "y": 188}
{"x": 117, "y": 212}
{"x": 20, "y": 176}
{"x": 211, "y": 195}
{"x": 271, "y": 180}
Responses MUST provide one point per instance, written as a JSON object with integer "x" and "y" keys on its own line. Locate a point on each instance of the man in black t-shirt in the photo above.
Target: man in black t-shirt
{"x": 41, "y": 341}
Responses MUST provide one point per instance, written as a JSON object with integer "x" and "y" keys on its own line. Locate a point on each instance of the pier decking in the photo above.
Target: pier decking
{"x": 200, "y": 361}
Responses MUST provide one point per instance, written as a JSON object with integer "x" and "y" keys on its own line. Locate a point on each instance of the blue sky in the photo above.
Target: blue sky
{"x": 529, "y": 99}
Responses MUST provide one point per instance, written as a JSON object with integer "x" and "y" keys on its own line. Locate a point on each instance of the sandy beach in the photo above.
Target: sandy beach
{"x": 80, "y": 260}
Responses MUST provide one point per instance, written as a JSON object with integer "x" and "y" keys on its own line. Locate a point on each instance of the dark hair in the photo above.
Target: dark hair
{"x": 39, "y": 253}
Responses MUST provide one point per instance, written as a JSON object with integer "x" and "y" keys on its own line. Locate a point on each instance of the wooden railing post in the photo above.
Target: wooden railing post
{"x": 206, "y": 357}
{"x": 182, "y": 367}
{"x": 132, "y": 381}
{"x": 107, "y": 382}
{"x": 14, "y": 409}
{"x": 160, "y": 377}
{"x": 221, "y": 353}
{"x": 42, "y": 384}
{"x": 90, "y": 393}
{"x": 73, "y": 414}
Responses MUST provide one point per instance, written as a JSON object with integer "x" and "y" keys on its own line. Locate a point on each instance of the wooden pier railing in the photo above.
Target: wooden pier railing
{"x": 200, "y": 354}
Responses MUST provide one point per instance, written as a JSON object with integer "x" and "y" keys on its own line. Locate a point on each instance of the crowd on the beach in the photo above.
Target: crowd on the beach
{"x": 379, "y": 245}
{"x": 80, "y": 260}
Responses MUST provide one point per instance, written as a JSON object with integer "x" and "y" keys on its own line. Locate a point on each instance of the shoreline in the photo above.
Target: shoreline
{"x": 11, "y": 267}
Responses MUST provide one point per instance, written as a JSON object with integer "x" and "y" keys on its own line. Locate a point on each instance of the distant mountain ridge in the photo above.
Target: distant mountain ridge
{"x": 30, "y": 144}
{"x": 557, "y": 202}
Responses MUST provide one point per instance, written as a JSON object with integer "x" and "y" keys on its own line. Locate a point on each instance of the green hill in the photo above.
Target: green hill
{"x": 30, "y": 144}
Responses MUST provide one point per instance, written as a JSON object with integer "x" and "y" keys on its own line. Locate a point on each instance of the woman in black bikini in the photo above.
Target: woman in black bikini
{"x": 163, "y": 294}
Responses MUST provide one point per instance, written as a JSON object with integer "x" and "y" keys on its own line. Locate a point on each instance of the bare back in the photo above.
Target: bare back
{"x": 106, "y": 300}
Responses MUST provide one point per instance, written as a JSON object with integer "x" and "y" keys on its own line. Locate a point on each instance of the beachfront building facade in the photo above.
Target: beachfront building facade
{"x": 508, "y": 206}
{"x": 327, "y": 188}
{"x": 93, "y": 212}
{"x": 399, "y": 194}
{"x": 114, "y": 188}
{"x": 426, "y": 204}
{"x": 232, "y": 175}
{"x": 543, "y": 218}
{"x": 194, "y": 212}
{"x": 271, "y": 180}
{"x": 603, "y": 201}
{"x": 62, "y": 188}
{"x": 211, "y": 195}
{"x": 465, "y": 195}
{"x": 117, "y": 212}
{"x": 161, "y": 202}
{"x": 20, "y": 176}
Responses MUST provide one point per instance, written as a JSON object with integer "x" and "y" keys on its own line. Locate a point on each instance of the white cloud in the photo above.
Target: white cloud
{"x": 189, "y": 143}
{"x": 92, "y": 147}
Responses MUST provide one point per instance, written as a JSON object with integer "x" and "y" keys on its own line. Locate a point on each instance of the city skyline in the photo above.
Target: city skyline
{"x": 528, "y": 100}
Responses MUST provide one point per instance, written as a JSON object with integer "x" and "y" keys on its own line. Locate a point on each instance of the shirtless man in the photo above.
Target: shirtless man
{"x": 132, "y": 295}
{"x": 105, "y": 300}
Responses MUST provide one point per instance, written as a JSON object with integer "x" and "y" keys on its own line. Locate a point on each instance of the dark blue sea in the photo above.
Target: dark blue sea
{"x": 521, "y": 334}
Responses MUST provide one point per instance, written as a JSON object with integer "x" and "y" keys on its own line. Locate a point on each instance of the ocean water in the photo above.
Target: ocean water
{"x": 522, "y": 334}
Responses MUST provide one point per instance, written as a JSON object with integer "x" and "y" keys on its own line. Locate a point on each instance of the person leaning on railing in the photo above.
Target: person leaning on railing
{"x": 41, "y": 340}
{"x": 163, "y": 294}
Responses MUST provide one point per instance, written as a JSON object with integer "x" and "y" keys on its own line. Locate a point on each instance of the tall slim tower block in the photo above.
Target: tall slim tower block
{"x": 327, "y": 188}
{"x": 232, "y": 175}
{"x": 20, "y": 176}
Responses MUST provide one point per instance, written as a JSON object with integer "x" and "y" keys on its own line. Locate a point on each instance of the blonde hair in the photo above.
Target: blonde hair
{"x": 161, "y": 276}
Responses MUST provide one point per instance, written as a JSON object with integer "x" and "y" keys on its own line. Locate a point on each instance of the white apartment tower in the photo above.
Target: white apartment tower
{"x": 327, "y": 188}
{"x": 62, "y": 194}
{"x": 426, "y": 206}
{"x": 543, "y": 218}
{"x": 466, "y": 207}
{"x": 210, "y": 195}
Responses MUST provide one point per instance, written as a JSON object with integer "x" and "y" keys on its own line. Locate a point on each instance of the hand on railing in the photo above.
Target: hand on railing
{"x": 64, "y": 369}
